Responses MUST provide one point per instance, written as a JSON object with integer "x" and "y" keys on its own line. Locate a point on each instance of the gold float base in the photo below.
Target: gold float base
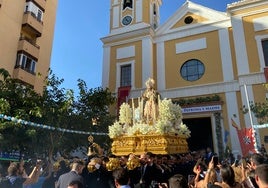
{"x": 157, "y": 144}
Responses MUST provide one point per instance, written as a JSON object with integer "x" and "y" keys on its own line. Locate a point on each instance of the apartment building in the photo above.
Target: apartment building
{"x": 26, "y": 38}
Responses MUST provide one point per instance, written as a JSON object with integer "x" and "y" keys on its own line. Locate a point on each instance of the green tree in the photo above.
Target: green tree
{"x": 259, "y": 109}
{"x": 20, "y": 101}
{"x": 57, "y": 112}
{"x": 56, "y": 107}
{"x": 92, "y": 108}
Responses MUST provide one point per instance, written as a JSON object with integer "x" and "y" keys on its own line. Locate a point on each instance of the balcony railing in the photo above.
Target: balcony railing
{"x": 24, "y": 75}
{"x": 31, "y": 23}
{"x": 29, "y": 47}
{"x": 40, "y": 3}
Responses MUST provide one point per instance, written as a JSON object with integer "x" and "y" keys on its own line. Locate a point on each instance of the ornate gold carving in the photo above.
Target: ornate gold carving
{"x": 158, "y": 144}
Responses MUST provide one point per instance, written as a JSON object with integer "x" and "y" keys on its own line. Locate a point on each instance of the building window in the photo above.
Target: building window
{"x": 154, "y": 9}
{"x": 125, "y": 79}
{"x": 34, "y": 10}
{"x": 188, "y": 20}
{"x": 265, "y": 51}
{"x": 127, "y": 3}
{"x": 192, "y": 70}
{"x": 39, "y": 15}
{"x": 26, "y": 63}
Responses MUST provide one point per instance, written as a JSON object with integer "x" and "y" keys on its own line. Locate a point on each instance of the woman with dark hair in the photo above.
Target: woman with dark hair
{"x": 228, "y": 177}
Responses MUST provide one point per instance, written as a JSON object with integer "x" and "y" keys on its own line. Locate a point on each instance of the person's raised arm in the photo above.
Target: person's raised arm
{"x": 33, "y": 177}
{"x": 210, "y": 168}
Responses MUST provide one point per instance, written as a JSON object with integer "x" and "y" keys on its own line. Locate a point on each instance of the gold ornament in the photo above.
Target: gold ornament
{"x": 133, "y": 163}
{"x": 93, "y": 163}
{"x": 114, "y": 163}
{"x": 91, "y": 168}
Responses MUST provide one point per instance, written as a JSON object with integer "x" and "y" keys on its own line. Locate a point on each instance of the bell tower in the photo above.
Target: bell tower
{"x": 134, "y": 13}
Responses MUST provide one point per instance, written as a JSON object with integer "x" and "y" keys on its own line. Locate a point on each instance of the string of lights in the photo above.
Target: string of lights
{"x": 28, "y": 123}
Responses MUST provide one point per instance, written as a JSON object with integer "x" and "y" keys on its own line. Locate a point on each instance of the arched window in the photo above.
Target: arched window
{"x": 127, "y": 3}
{"x": 154, "y": 9}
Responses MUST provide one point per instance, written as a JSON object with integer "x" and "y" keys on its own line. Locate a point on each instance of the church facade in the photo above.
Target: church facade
{"x": 212, "y": 63}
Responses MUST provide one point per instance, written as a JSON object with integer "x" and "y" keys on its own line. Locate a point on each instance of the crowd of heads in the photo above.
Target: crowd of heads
{"x": 190, "y": 170}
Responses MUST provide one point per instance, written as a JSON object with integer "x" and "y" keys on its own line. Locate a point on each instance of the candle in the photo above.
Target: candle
{"x": 154, "y": 108}
{"x": 141, "y": 111}
{"x": 133, "y": 111}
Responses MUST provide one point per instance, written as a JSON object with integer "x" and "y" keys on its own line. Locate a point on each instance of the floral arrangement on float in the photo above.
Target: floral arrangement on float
{"x": 167, "y": 122}
{"x": 154, "y": 125}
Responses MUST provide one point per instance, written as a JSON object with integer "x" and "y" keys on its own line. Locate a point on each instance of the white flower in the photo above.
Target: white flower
{"x": 140, "y": 129}
{"x": 163, "y": 127}
{"x": 184, "y": 131}
{"x": 115, "y": 130}
{"x": 169, "y": 122}
{"x": 169, "y": 111}
{"x": 132, "y": 130}
{"x": 125, "y": 114}
{"x": 145, "y": 129}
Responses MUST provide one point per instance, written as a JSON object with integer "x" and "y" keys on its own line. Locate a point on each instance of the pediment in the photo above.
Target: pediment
{"x": 191, "y": 15}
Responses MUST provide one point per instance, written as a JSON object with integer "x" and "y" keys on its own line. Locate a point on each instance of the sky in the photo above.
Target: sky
{"x": 77, "y": 49}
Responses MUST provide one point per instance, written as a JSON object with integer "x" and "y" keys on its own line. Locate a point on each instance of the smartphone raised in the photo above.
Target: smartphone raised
{"x": 236, "y": 163}
{"x": 215, "y": 160}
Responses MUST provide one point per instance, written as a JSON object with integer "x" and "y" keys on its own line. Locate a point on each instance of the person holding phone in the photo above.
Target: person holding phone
{"x": 210, "y": 176}
{"x": 248, "y": 169}
{"x": 16, "y": 180}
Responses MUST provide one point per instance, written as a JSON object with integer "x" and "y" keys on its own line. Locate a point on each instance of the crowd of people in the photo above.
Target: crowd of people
{"x": 198, "y": 169}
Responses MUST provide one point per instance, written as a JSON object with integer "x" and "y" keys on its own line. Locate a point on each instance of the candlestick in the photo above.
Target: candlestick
{"x": 141, "y": 112}
{"x": 133, "y": 111}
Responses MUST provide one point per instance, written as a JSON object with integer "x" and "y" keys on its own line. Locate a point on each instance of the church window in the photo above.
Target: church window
{"x": 265, "y": 51}
{"x": 188, "y": 20}
{"x": 192, "y": 70}
{"x": 127, "y": 3}
{"x": 154, "y": 9}
{"x": 125, "y": 76}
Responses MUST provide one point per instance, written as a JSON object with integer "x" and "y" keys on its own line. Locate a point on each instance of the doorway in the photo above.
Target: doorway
{"x": 201, "y": 133}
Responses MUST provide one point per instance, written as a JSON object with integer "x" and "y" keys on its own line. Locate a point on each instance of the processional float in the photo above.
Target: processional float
{"x": 152, "y": 124}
